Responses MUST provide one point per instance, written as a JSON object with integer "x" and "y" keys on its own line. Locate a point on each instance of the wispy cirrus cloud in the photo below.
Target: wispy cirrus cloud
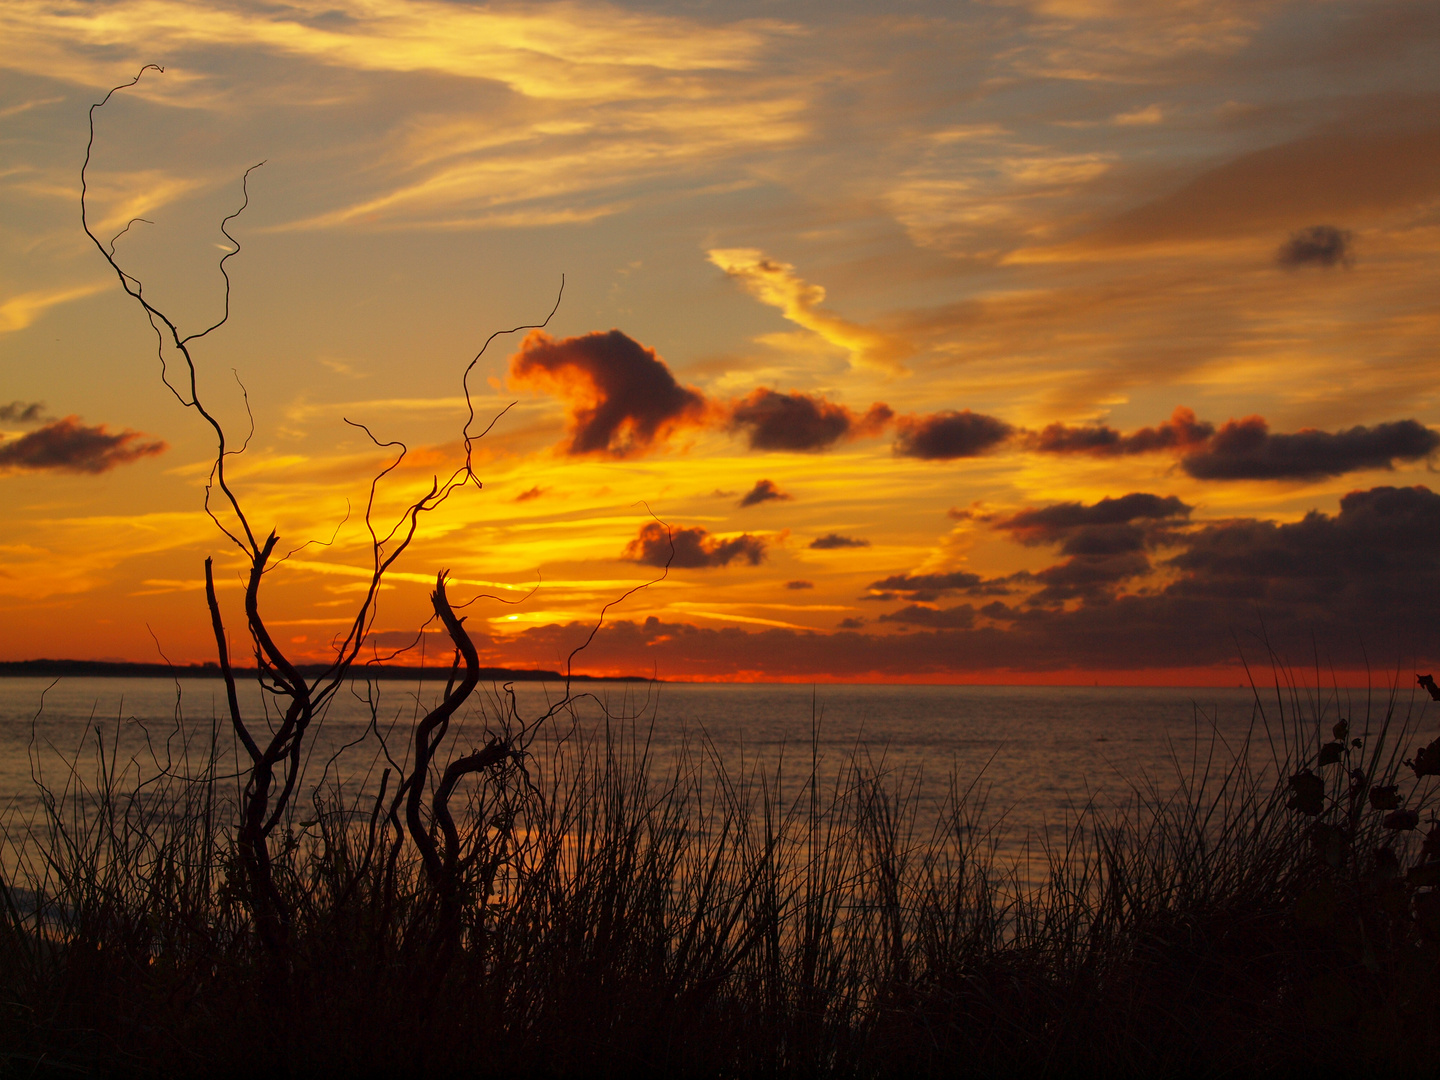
{"x": 1108, "y": 42}
{"x": 563, "y": 51}
{"x": 448, "y": 172}
{"x": 777, "y": 284}
{"x": 981, "y": 196}
{"x": 18, "y": 312}
{"x": 1344, "y": 172}
{"x": 581, "y": 100}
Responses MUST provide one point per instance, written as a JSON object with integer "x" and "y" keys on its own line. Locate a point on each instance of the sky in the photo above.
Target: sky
{"x": 1020, "y": 341}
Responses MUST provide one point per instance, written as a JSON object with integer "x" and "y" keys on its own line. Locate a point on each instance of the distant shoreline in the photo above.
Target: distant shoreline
{"x": 209, "y": 670}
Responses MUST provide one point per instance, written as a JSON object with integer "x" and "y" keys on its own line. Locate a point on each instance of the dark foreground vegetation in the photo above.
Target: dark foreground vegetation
{"x": 586, "y": 911}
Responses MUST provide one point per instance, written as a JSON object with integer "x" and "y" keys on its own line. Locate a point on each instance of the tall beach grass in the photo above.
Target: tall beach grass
{"x": 620, "y": 915}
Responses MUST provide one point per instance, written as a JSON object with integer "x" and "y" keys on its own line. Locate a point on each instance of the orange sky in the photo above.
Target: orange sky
{"x": 1031, "y": 340}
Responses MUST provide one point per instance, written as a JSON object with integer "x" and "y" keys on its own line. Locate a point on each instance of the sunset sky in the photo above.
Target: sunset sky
{"x": 1009, "y": 341}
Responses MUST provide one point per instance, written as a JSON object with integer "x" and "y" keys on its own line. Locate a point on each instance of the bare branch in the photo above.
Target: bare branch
{"x": 224, "y": 228}
{"x": 436, "y": 721}
{"x": 465, "y": 378}
{"x": 222, "y": 650}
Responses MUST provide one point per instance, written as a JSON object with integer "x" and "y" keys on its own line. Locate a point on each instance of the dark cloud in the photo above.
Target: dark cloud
{"x": 1108, "y": 527}
{"x": 1319, "y": 245}
{"x": 928, "y": 586}
{"x": 795, "y": 421}
{"x": 1091, "y": 576}
{"x": 1245, "y": 450}
{"x": 799, "y": 584}
{"x": 1381, "y": 544}
{"x": 945, "y": 435}
{"x": 533, "y": 493}
{"x": 763, "y": 491}
{"x": 954, "y": 618}
{"x": 694, "y": 548}
{"x": 831, "y": 541}
{"x": 1096, "y": 540}
{"x": 69, "y": 446}
{"x": 22, "y": 412}
{"x": 850, "y": 624}
{"x": 1105, "y": 541}
{"x": 1181, "y": 431}
{"x": 1054, "y": 519}
{"x": 974, "y": 512}
{"x": 621, "y": 398}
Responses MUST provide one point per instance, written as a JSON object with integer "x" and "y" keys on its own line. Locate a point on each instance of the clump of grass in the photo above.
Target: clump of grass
{"x": 615, "y": 915}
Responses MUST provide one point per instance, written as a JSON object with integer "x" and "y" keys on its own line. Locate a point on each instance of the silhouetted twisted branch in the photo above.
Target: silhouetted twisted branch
{"x": 276, "y": 766}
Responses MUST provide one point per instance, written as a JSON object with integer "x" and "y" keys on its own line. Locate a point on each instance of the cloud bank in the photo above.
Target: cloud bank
{"x": 1365, "y": 581}
{"x": 622, "y": 400}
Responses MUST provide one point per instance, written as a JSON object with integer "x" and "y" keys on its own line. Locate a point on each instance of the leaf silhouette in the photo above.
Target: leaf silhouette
{"x": 1402, "y": 819}
{"x": 1307, "y": 793}
{"x": 1385, "y": 797}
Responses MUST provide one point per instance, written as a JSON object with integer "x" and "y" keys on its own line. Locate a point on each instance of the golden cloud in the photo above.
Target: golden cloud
{"x": 586, "y": 96}
{"x": 565, "y": 51}
{"x": 776, "y": 284}
{"x": 18, "y": 312}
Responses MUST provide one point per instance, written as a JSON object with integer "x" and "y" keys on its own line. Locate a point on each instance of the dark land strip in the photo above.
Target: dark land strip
{"x": 209, "y": 670}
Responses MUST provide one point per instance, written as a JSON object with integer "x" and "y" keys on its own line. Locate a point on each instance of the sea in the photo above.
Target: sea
{"x": 1036, "y": 757}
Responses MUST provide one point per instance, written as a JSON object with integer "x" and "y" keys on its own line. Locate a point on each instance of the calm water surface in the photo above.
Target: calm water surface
{"x": 1039, "y": 751}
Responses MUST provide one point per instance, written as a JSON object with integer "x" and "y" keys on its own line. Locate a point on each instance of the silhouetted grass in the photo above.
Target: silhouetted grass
{"x": 628, "y": 917}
